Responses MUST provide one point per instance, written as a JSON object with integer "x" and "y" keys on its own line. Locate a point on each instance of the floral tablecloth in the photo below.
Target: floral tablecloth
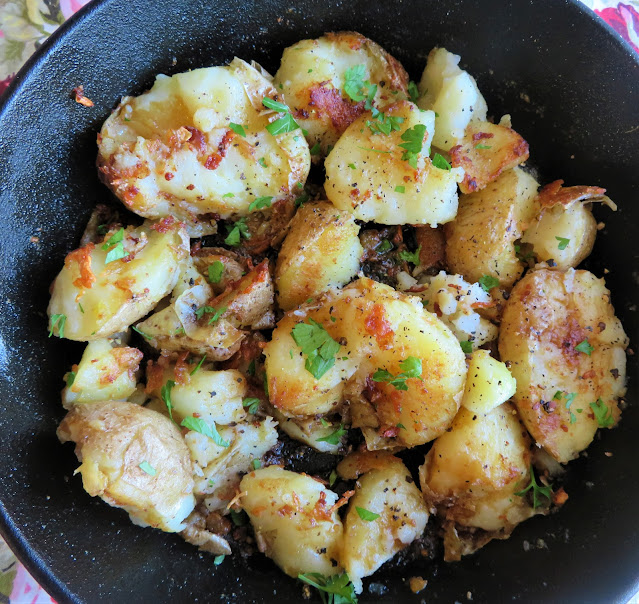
{"x": 24, "y": 26}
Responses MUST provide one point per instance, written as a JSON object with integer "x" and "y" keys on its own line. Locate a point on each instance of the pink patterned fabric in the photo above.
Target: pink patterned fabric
{"x": 27, "y": 591}
{"x": 625, "y": 20}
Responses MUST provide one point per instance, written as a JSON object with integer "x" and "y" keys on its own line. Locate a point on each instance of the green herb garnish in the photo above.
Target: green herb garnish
{"x": 563, "y": 243}
{"x": 339, "y": 588}
{"x": 538, "y": 490}
{"x": 411, "y": 368}
{"x": 238, "y": 129}
{"x": 487, "y": 282}
{"x": 216, "y": 270}
{"x": 603, "y": 413}
{"x": 60, "y": 321}
{"x": 411, "y": 256}
{"x": 414, "y": 141}
{"x": 236, "y": 232}
{"x": 260, "y": 203}
{"x": 334, "y": 437}
{"x": 439, "y": 161}
{"x": 146, "y": 467}
{"x": 251, "y": 405}
{"x": 318, "y": 346}
{"x": 585, "y": 347}
{"x": 466, "y": 347}
{"x": 199, "y": 425}
{"x": 166, "y": 396}
{"x": 366, "y": 515}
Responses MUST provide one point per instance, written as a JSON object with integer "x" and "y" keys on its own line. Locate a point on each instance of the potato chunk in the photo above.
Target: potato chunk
{"x": 565, "y": 347}
{"x": 294, "y": 520}
{"x": 488, "y": 385}
{"x": 106, "y": 372}
{"x": 366, "y": 175}
{"x": 481, "y": 241}
{"x": 321, "y": 250}
{"x": 134, "y": 459}
{"x": 485, "y": 152}
{"x": 197, "y": 144}
{"x": 453, "y": 94}
{"x": 377, "y": 329}
{"x": 471, "y": 474}
{"x": 312, "y": 77}
{"x": 385, "y": 515}
{"x": 105, "y": 288}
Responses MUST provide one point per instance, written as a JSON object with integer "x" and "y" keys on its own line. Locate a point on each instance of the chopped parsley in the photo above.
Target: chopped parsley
{"x": 283, "y": 125}
{"x": 411, "y": 256}
{"x": 413, "y": 92}
{"x": 228, "y": 195}
{"x": 166, "y": 396}
{"x": 411, "y": 368}
{"x": 466, "y": 347}
{"x": 80, "y": 307}
{"x": 238, "y": 518}
{"x": 585, "y": 347}
{"x": 487, "y": 282}
{"x": 315, "y": 149}
{"x": 354, "y": 84}
{"x": 216, "y": 270}
{"x": 236, "y": 232}
{"x": 238, "y": 129}
{"x": 318, "y": 346}
{"x": 146, "y": 336}
{"x": 257, "y": 464}
{"x": 251, "y": 368}
{"x": 271, "y": 104}
{"x": 251, "y": 404}
{"x": 538, "y": 490}
{"x": 60, "y": 321}
{"x": 198, "y": 366}
{"x": 339, "y": 588}
{"x": 332, "y": 478}
{"x": 603, "y": 413}
{"x": 334, "y": 437}
{"x": 563, "y": 243}
{"x": 480, "y": 146}
{"x": 414, "y": 141}
{"x": 384, "y": 246}
{"x": 352, "y": 166}
{"x": 366, "y": 515}
{"x": 199, "y": 425}
{"x": 115, "y": 246}
{"x": 439, "y": 161}
{"x": 400, "y": 189}
{"x": 262, "y": 162}
{"x": 69, "y": 378}
{"x": 302, "y": 199}
{"x": 260, "y": 203}
{"x": 217, "y": 313}
{"x": 218, "y": 559}
{"x": 147, "y": 468}
{"x": 384, "y": 124}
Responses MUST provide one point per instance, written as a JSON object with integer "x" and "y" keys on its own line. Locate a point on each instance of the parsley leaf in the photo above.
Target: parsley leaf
{"x": 466, "y": 347}
{"x": 60, "y": 321}
{"x": 239, "y": 518}
{"x": 259, "y": 203}
{"x": 166, "y": 396}
{"x": 411, "y": 368}
{"x": 332, "y": 478}
{"x": 218, "y": 559}
{"x": 603, "y": 413}
{"x": 585, "y": 347}
{"x": 199, "y": 425}
{"x": 271, "y": 104}
{"x": 215, "y": 271}
{"x": 251, "y": 368}
{"x": 217, "y": 313}
{"x": 414, "y": 138}
{"x": 198, "y": 365}
{"x": 228, "y": 195}
{"x": 440, "y": 162}
{"x": 146, "y": 467}
{"x": 339, "y": 588}
{"x": 538, "y": 490}
{"x": 334, "y": 437}
{"x": 480, "y": 146}
{"x": 144, "y": 335}
{"x": 352, "y": 166}
{"x": 283, "y": 125}
{"x": 115, "y": 246}
{"x": 384, "y": 246}
{"x": 251, "y": 404}
{"x": 563, "y": 243}
{"x": 69, "y": 378}
{"x": 354, "y": 82}
{"x": 257, "y": 464}
{"x": 384, "y": 124}
{"x": 236, "y": 231}
{"x": 366, "y": 515}
{"x": 318, "y": 346}
{"x": 238, "y": 129}
{"x": 315, "y": 149}
{"x": 411, "y": 256}
{"x": 400, "y": 189}
{"x": 262, "y": 162}
{"x": 413, "y": 92}
{"x": 302, "y": 199}
{"x": 487, "y": 282}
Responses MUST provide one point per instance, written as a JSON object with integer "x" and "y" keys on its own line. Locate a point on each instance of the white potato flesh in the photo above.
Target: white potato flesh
{"x": 321, "y": 250}
{"x": 389, "y": 492}
{"x": 106, "y": 372}
{"x": 472, "y": 472}
{"x": 133, "y": 458}
{"x": 100, "y": 299}
{"x": 488, "y": 384}
{"x": 453, "y": 94}
{"x": 364, "y": 171}
{"x": 312, "y": 74}
{"x": 378, "y": 328}
{"x": 218, "y": 470}
{"x": 173, "y": 151}
{"x": 481, "y": 240}
{"x": 454, "y": 300}
{"x": 294, "y": 520}
{"x": 550, "y": 321}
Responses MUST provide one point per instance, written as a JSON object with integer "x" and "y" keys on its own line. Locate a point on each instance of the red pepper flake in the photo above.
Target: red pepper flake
{"x": 560, "y": 497}
{"x": 168, "y": 175}
{"x": 190, "y": 187}
{"x": 481, "y": 135}
{"x": 78, "y": 91}
{"x": 83, "y": 257}
{"x": 164, "y": 225}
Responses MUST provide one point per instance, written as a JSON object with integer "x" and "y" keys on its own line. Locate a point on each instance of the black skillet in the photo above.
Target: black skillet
{"x": 572, "y": 87}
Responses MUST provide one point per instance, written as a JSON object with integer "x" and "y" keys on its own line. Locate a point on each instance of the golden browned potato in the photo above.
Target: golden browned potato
{"x": 386, "y": 513}
{"x": 323, "y": 83}
{"x": 106, "y": 372}
{"x": 295, "y": 520}
{"x": 389, "y": 178}
{"x": 481, "y": 240}
{"x": 488, "y": 384}
{"x": 104, "y": 288}
{"x": 565, "y": 229}
{"x": 565, "y": 347}
{"x": 375, "y": 331}
{"x": 470, "y": 477}
{"x": 452, "y": 94}
{"x": 485, "y": 152}
{"x": 321, "y": 250}
{"x": 197, "y": 144}
{"x": 134, "y": 459}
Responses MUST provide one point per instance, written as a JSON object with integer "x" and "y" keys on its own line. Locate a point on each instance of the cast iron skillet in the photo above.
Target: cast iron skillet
{"x": 582, "y": 122}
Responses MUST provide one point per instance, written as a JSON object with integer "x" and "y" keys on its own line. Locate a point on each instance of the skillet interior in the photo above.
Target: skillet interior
{"x": 582, "y": 123}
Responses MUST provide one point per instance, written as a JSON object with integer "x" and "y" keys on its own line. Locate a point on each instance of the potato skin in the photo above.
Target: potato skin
{"x": 481, "y": 239}
{"x": 311, "y": 76}
{"x": 364, "y": 170}
{"x": 294, "y": 521}
{"x": 321, "y": 250}
{"x": 112, "y": 440}
{"x": 173, "y": 152}
{"x": 547, "y": 315}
